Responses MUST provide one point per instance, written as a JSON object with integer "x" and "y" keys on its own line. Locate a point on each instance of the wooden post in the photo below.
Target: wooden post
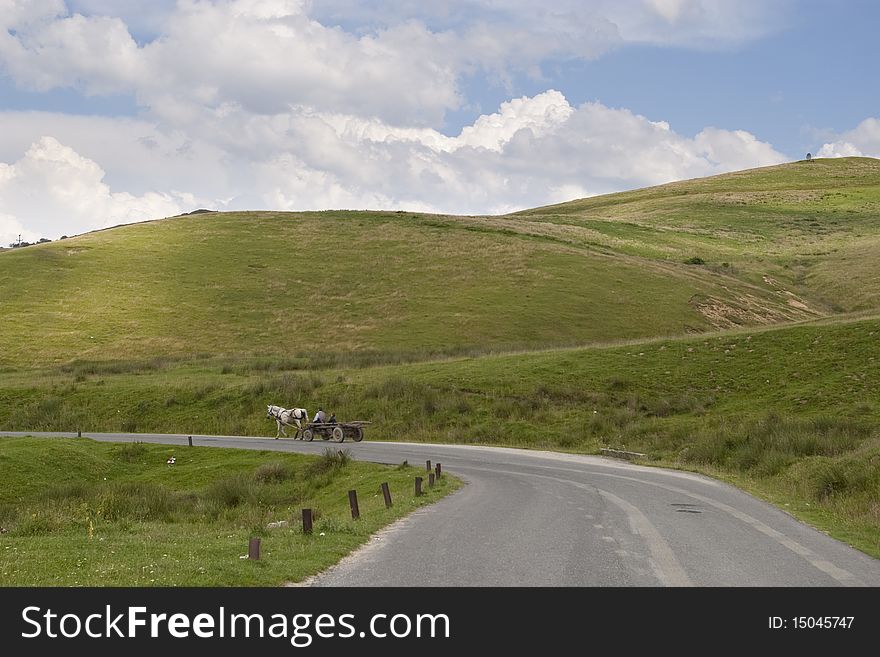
{"x": 307, "y": 521}
{"x": 430, "y": 480}
{"x": 353, "y": 503}
{"x": 190, "y": 441}
{"x": 418, "y": 486}
{"x": 386, "y": 493}
{"x": 254, "y": 549}
{"x": 427, "y": 466}
{"x": 79, "y": 433}
{"x": 439, "y": 471}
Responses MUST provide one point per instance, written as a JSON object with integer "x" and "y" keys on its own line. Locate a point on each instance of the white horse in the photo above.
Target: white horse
{"x": 283, "y": 417}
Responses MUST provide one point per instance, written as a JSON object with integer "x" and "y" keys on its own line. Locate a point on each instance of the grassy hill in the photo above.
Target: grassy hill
{"x": 811, "y": 227}
{"x": 726, "y": 324}
{"x": 779, "y": 244}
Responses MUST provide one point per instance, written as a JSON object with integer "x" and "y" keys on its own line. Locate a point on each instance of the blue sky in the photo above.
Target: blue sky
{"x": 814, "y": 75}
{"x": 118, "y": 111}
{"x": 793, "y": 87}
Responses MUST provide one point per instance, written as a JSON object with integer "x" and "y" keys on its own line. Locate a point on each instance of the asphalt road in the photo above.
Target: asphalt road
{"x": 530, "y": 518}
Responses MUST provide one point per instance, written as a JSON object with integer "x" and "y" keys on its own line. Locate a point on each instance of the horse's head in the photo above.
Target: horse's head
{"x": 269, "y": 410}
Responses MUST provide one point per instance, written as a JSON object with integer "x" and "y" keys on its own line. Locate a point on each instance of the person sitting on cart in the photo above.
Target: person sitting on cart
{"x": 320, "y": 417}
{"x": 332, "y": 419}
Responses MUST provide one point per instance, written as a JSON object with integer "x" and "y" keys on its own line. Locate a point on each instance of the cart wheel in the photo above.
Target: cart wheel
{"x": 358, "y": 434}
{"x": 308, "y": 434}
{"x": 338, "y": 434}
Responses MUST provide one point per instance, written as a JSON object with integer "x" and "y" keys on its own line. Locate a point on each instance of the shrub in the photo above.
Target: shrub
{"x": 8, "y": 514}
{"x": 695, "y": 260}
{"x": 137, "y": 501}
{"x": 826, "y": 479}
{"x": 336, "y": 526}
{"x": 330, "y": 461}
{"x": 131, "y": 452}
{"x": 272, "y": 472}
{"x": 769, "y": 443}
{"x": 36, "y": 524}
{"x": 232, "y": 491}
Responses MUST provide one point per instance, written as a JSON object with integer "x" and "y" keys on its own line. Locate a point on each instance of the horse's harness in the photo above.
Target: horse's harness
{"x": 281, "y": 411}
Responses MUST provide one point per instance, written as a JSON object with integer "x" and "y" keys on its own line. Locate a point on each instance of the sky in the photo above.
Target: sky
{"x": 115, "y": 111}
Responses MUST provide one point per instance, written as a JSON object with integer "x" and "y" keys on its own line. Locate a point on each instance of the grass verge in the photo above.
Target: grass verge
{"x": 76, "y": 512}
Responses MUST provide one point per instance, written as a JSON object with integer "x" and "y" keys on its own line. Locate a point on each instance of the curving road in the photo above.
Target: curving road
{"x": 531, "y": 518}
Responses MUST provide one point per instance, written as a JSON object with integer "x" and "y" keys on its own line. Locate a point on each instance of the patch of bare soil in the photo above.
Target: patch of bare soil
{"x": 747, "y": 310}
{"x": 786, "y": 197}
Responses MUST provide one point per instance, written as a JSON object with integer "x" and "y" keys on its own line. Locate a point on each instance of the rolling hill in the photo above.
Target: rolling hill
{"x": 757, "y": 247}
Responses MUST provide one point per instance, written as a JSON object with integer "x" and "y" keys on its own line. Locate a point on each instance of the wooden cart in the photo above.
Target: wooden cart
{"x": 338, "y": 431}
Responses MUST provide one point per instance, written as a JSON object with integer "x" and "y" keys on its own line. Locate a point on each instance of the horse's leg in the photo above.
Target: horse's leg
{"x": 298, "y": 433}
{"x": 278, "y": 431}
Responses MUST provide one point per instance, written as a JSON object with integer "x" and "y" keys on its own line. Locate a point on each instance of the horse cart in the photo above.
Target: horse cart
{"x": 338, "y": 431}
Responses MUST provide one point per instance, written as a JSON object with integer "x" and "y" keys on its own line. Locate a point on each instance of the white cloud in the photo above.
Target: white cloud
{"x": 577, "y": 28}
{"x": 533, "y": 151}
{"x": 25, "y": 13}
{"x": 540, "y": 114}
{"x": 137, "y": 155}
{"x": 11, "y": 229}
{"x": 52, "y": 189}
{"x": 863, "y": 141}
{"x": 282, "y": 104}
{"x": 401, "y": 62}
{"x": 708, "y": 24}
{"x": 95, "y": 54}
{"x": 263, "y": 55}
{"x": 736, "y": 149}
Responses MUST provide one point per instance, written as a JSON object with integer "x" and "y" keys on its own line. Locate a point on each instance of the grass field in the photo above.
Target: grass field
{"x": 727, "y": 325}
{"x": 789, "y": 412}
{"x": 82, "y": 513}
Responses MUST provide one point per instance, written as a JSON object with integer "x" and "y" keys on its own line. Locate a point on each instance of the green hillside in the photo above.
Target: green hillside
{"x": 811, "y": 227}
{"x": 781, "y": 243}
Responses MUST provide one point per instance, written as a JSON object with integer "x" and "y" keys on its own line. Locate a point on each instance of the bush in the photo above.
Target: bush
{"x": 137, "y": 501}
{"x": 272, "y": 472}
{"x": 825, "y": 479}
{"x": 695, "y": 260}
{"x": 329, "y": 462}
{"x": 131, "y": 452}
{"x": 232, "y": 491}
{"x": 767, "y": 444}
{"x": 8, "y": 514}
{"x": 36, "y": 524}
